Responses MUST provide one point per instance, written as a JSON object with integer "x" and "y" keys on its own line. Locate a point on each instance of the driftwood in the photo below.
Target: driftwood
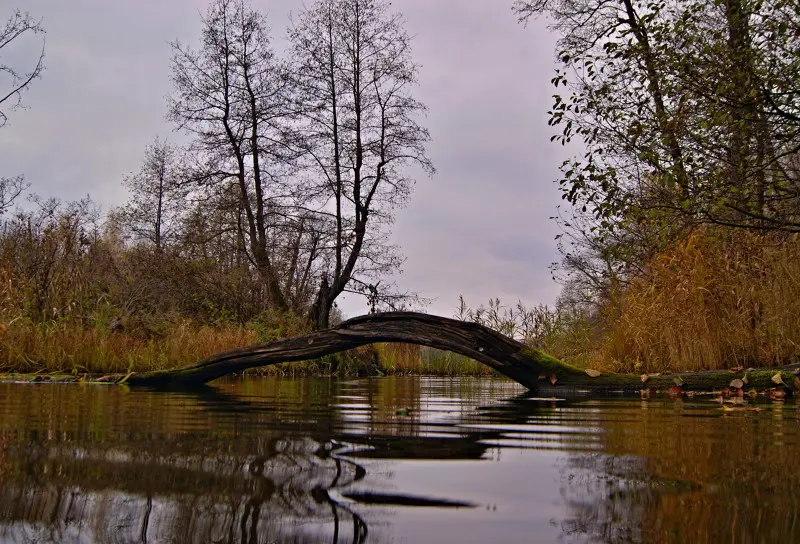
{"x": 525, "y": 365}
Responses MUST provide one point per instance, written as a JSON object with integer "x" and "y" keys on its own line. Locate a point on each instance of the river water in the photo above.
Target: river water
{"x": 399, "y": 459}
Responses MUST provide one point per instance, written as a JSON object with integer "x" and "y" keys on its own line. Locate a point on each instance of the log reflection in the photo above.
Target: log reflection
{"x": 275, "y": 485}
{"x": 321, "y": 461}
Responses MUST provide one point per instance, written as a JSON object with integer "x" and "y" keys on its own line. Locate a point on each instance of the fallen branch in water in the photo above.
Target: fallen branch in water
{"x": 527, "y": 366}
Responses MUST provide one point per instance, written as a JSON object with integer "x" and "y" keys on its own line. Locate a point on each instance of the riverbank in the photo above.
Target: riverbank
{"x": 68, "y": 349}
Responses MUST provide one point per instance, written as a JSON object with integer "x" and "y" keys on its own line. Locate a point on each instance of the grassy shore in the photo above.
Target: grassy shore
{"x": 64, "y": 347}
{"x": 711, "y": 301}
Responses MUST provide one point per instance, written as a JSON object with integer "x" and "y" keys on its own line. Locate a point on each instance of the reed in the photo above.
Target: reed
{"x": 412, "y": 359}
{"x": 69, "y": 346}
{"x": 715, "y": 300}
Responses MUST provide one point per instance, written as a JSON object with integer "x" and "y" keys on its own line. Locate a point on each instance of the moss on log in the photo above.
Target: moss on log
{"x": 567, "y": 376}
{"x": 530, "y": 367}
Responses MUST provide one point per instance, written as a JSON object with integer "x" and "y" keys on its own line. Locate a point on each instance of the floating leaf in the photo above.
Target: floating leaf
{"x": 777, "y": 378}
{"x": 736, "y": 369}
{"x": 675, "y": 391}
{"x": 553, "y": 379}
{"x": 732, "y": 408}
{"x": 592, "y": 372}
{"x": 644, "y": 377}
{"x": 744, "y": 379}
{"x": 777, "y": 394}
{"x": 678, "y": 381}
{"x": 401, "y": 411}
{"x": 737, "y": 383}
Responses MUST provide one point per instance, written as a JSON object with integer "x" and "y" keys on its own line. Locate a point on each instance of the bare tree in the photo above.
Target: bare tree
{"x": 230, "y": 94}
{"x": 354, "y": 77}
{"x": 10, "y": 189}
{"x": 153, "y": 211}
{"x": 13, "y": 80}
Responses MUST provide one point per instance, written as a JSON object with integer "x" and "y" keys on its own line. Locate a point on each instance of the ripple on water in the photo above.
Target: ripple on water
{"x": 395, "y": 459}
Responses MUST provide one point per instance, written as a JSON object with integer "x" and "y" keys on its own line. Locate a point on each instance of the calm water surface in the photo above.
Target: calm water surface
{"x": 390, "y": 460}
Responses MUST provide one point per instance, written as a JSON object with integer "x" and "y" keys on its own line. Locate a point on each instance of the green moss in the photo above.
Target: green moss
{"x": 549, "y": 364}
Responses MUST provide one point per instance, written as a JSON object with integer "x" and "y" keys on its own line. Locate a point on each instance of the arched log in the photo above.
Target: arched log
{"x": 525, "y": 365}
{"x": 507, "y": 356}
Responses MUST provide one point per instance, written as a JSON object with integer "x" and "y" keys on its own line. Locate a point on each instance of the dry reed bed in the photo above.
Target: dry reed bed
{"x": 713, "y": 301}
{"x": 61, "y": 347}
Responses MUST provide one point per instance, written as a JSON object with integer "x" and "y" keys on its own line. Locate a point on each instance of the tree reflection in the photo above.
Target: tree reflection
{"x": 687, "y": 472}
{"x": 312, "y": 461}
{"x": 252, "y": 474}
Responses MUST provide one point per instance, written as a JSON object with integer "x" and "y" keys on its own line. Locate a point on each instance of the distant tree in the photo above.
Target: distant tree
{"x": 156, "y": 201}
{"x": 358, "y": 128}
{"x": 10, "y": 189}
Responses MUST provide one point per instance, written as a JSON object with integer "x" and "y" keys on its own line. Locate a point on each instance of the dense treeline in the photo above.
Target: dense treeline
{"x": 680, "y": 246}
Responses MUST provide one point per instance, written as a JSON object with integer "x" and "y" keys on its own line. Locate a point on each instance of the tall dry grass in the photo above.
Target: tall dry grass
{"x": 398, "y": 358}
{"x": 69, "y": 346}
{"x": 715, "y": 300}
{"x": 64, "y": 346}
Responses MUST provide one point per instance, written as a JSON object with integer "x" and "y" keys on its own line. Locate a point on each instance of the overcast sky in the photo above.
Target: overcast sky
{"x": 480, "y": 227}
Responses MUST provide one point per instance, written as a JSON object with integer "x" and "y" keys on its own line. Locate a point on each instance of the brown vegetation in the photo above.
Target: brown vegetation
{"x": 716, "y": 299}
{"x": 74, "y": 296}
{"x": 680, "y": 250}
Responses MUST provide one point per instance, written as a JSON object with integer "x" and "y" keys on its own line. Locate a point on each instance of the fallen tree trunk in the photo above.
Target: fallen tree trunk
{"x": 505, "y": 355}
{"x": 525, "y": 365}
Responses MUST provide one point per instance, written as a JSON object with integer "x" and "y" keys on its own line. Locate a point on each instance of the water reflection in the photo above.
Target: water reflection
{"x": 65, "y": 492}
{"x": 676, "y": 471}
{"x": 237, "y": 464}
{"x": 420, "y": 460}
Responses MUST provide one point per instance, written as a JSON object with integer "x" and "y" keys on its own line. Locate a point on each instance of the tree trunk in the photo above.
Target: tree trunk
{"x": 527, "y": 366}
{"x": 320, "y": 313}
